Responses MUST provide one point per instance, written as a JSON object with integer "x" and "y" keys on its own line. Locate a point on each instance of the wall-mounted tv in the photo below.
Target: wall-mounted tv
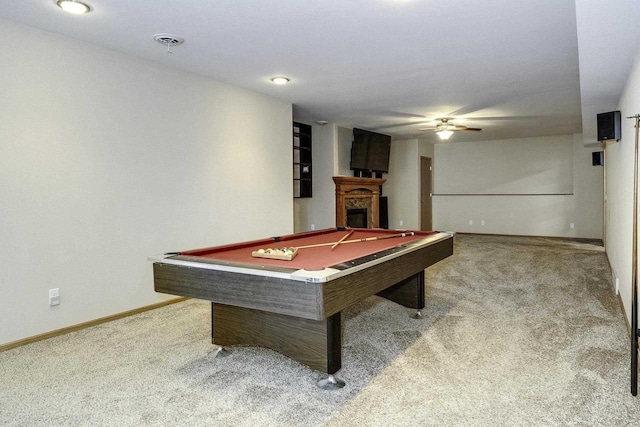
{"x": 370, "y": 151}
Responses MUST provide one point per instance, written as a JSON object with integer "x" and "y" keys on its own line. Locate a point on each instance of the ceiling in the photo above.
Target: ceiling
{"x": 514, "y": 69}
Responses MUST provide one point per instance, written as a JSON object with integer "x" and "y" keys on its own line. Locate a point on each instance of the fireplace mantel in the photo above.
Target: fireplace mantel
{"x": 351, "y": 189}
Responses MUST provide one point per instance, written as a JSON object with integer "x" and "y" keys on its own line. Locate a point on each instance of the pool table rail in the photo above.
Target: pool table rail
{"x": 282, "y": 296}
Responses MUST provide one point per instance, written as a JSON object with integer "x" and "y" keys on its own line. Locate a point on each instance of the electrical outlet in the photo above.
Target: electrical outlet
{"x": 54, "y": 297}
{"x": 617, "y": 286}
{"x": 470, "y": 222}
{"x": 401, "y": 222}
{"x": 482, "y": 222}
{"x": 571, "y": 226}
{"x": 313, "y": 226}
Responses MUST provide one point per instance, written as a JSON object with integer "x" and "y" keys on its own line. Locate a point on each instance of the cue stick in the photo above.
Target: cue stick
{"x": 343, "y": 238}
{"x": 358, "y": 240}
{"x": 634, "y": 270}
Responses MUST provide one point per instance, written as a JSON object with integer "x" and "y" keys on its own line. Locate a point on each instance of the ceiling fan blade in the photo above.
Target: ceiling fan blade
{"x": 402, "y": 115}
{"x": 476, "y": 129}
{"x": 396, "y": 125}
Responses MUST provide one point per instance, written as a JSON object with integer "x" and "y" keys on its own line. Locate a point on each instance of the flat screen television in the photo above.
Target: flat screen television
{"x": 370, "y": 151}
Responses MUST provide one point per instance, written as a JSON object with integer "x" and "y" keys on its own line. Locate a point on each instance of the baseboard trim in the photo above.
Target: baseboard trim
{"x": 619, "y": 297}
{"x": 573, "y": 239}
{"x": 84, "y": 325}
{"x": 624, "y": 314}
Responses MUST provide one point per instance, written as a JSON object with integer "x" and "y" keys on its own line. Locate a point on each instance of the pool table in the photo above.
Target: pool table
{"x": 293, "y": 306}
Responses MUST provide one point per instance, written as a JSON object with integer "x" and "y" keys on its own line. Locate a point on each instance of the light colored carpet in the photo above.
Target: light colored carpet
{"x": 517, "y": 331}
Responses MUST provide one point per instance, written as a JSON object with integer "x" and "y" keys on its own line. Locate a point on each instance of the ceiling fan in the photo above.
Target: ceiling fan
{"x": 444, "y": 129}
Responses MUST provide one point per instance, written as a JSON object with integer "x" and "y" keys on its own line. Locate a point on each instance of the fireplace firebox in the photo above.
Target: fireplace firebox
{"x": 357, "y": 218}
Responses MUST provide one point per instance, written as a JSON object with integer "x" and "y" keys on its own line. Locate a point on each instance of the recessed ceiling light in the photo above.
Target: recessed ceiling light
{"x": 73, "y": 6}
{"x": 280, "y": 80}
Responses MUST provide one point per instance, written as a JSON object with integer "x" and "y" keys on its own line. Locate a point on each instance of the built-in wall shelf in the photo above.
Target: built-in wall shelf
{"x": 302, "y": 161}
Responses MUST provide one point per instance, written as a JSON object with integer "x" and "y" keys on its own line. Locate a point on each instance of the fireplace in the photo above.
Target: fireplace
{"x": 361, "y": 197}
{"x": 357, "y": 218}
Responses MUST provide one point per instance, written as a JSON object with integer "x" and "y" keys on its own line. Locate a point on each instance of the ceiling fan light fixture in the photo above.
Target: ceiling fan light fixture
{"x": 73, "y": 6}
{"x": 444, "y": 134}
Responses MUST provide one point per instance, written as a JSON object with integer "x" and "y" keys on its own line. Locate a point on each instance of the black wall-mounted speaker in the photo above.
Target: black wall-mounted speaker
{"x": 609, "y": 126}
{"x": 598, "y": 158}
{"x": 384, "y": 212}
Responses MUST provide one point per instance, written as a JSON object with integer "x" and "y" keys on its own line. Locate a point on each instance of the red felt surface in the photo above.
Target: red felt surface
{"x": 311, "y": 258}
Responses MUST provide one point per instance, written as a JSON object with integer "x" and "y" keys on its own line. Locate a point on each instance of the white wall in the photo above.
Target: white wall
{"x": 537, "y": 215}
{"x": 403, "y": 185}
{"x": 403, "y": 182}
{"x": 425, "y": 149}
{"x": 331, "y": 157}
{"x": 106, "y": 159}
{"x": 542, "y": 165}
{"x": 518, "y": 215}
{"x": 619, "y": 170}
{"x": 318, "y": 212}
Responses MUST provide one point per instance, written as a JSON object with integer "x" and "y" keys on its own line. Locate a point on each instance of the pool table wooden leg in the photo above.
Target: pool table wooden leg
{"x": 409, "y": 292}
{"x": 315, "y": 343}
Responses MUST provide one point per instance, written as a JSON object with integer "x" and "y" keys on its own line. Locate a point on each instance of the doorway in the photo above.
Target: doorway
{"x": 426, "y": 193}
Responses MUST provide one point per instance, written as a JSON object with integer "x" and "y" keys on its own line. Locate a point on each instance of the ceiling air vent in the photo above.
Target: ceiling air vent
{"x": 169, "y": 40}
